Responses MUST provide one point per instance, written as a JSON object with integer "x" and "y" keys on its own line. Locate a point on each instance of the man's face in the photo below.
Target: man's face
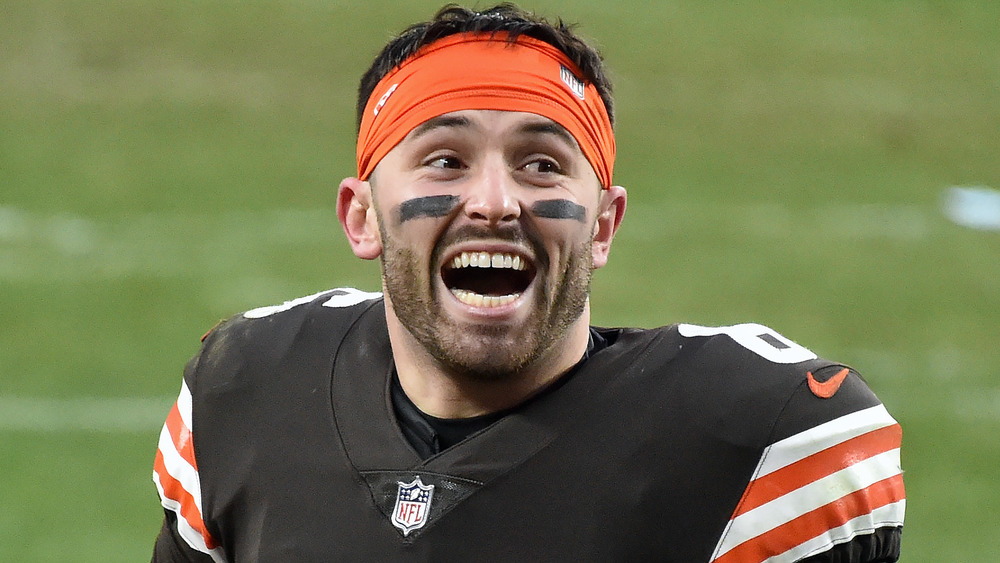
{"x": 486, "y": 220}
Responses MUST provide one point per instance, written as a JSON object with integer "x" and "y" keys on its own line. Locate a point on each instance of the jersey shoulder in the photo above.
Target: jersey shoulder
{"x": 764, "y": 342}
{"x": 263, "y": 335}
{"x": 754, "y": 370}
{"x": 828, "y": 481}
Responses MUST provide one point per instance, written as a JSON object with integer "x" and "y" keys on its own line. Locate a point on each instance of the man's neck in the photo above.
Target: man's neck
{"x": 438, "y": 392}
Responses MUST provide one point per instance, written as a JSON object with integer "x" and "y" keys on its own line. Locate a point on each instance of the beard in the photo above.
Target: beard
{"x": 486, "y": 351}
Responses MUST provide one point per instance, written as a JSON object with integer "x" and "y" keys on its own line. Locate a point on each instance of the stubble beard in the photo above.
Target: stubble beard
{"x": 484, "y": 351}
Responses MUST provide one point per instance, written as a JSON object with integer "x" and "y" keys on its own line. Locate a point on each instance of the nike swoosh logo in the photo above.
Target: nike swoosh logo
{"x": 828, "y": 388}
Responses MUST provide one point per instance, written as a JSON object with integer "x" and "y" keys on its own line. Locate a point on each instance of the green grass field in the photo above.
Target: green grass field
{"x": 167, "y": 164}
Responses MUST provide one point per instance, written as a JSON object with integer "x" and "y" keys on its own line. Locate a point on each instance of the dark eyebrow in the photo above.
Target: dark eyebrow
{"x": 547, "y": 127}
{"x": 550, "y": 128}
{"x": 437, "y": 123}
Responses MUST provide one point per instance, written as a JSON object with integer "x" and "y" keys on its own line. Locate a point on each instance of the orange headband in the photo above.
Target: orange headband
{"x": 485, "y": 71}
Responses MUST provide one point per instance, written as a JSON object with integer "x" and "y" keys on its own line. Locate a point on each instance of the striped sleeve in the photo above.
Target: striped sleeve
{"x": 817, "y": 489}
{"x": 175, "y": 474}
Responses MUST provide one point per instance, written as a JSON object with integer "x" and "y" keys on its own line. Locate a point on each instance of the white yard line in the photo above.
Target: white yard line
{"x": 63, "y": 247}
{"x": 902, "y": 382}
{"x": 898, "y": 222}
{"x": 89, "y": 414}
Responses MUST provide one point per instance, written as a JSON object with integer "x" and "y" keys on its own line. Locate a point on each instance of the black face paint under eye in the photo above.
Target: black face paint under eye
{"x": 560, "y": 209}
{"x": 430, "y": 206}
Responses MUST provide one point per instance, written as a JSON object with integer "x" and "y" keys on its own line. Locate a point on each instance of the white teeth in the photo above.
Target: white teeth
{"x": 488, "y": 301}
{"x": 496, "y": 260}
{"x": 487, "y": 260}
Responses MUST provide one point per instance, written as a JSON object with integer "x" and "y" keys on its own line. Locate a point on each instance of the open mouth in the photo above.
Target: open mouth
{"x": 487, "y": 279}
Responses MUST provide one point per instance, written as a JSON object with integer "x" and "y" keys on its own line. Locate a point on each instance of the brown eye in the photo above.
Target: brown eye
{"x": 447, "y": 162}
{"x": 543, "y": 166}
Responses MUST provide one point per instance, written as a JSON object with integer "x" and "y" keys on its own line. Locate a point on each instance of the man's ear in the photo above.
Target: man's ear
{"x": 610, "y": 211}
{"x": 356, "y": 212}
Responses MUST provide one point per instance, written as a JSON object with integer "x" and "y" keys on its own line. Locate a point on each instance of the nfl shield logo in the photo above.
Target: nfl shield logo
{"x": 570, "y": 80}
{"x": 413, "y": 503}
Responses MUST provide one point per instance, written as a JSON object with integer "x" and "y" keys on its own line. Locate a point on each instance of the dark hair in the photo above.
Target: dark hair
{"x": 506, "y": 17}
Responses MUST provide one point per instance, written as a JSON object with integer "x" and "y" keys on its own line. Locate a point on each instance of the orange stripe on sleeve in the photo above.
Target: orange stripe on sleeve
{"x": 814, "y": 523}
{"x": 180, "y": 435}
{"x": 819, "y": 465}
{"x": 174, "y": 490}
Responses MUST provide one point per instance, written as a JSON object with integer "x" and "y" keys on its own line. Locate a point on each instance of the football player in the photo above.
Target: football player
{"x": 469, "y": 411}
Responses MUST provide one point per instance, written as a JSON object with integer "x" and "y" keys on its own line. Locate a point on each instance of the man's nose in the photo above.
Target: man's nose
{"x": 492, "y": 195}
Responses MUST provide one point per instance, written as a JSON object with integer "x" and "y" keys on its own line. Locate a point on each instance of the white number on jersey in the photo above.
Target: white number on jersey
{"x": 341, "y": 297}
{"x": 759, "y": 339}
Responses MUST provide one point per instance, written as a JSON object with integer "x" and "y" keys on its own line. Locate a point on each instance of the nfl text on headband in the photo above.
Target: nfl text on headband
{"x": 486, "y": 71}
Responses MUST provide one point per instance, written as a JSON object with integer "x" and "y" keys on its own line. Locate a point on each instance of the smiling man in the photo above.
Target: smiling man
{"x": 469, "y": 411}
{"x": 489, "y": 224}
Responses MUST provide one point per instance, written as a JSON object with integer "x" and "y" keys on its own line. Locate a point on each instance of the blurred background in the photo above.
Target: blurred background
{"x": 166, "y": 164}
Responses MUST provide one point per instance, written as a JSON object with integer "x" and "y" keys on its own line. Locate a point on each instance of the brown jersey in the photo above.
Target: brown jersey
{"x": 683, "y": 443}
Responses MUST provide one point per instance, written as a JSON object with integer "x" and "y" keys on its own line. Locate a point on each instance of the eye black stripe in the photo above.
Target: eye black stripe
{"x": 560, "y": 209}
{"x": 429, "y": 206}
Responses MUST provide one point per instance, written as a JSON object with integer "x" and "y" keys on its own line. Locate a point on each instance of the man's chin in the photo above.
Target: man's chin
{"x": 487, "y": 358}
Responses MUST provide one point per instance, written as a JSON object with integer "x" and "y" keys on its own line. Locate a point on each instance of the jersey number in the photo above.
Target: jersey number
{"x": 759, "y": 339}
{"x": 340, "y": 297}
